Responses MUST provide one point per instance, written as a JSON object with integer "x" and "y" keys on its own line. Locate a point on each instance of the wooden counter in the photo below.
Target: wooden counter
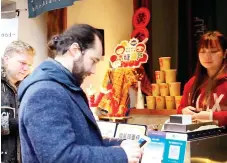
{"x": 146, "y": 111}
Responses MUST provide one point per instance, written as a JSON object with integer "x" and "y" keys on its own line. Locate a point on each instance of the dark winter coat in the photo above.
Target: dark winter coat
{"x": 9, "y": 121}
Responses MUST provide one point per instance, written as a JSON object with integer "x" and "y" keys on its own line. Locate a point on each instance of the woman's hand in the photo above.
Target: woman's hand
{"x": 189, "y": 110}
{"x": 203, "y": 115}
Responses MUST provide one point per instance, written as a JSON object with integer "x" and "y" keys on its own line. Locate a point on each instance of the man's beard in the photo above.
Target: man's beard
{"x": 78, "y": 71}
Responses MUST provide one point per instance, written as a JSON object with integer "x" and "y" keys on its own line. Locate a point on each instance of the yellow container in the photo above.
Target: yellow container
{"x": 155, "y": 89}
{"x": 160, "y": 102}
{"x": 164, "y": 89}
{"x": 160, "y": 76}
{"x": 164, "y": 63}
{"x": 150, "y": 102}
{"x": 170, "y": 102}
{"x": 174, "y": 88}
{"x": 177, "y": 101}
{"x": 170, "y": 75}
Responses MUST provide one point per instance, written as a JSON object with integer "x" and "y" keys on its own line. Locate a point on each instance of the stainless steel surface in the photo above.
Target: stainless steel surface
{"x": 207, "y": 150}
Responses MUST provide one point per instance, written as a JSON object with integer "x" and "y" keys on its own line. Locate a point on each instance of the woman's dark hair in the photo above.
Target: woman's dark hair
{"x": 82, "y": 34}
{"x": 208, "y": 40}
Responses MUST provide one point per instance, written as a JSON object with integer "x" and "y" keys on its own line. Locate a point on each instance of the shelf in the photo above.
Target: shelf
{"x": 114, "y": 119}
{"x": 146, "y": 111}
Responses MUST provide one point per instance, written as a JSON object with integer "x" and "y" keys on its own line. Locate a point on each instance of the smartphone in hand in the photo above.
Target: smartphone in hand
{"x": 143, "y": 141}
{"x": 195, "y": 111}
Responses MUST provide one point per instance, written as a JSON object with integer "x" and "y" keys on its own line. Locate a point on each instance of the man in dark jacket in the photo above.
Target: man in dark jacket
{"x": 56, "y": 124}
{"x": 16, "y": 61}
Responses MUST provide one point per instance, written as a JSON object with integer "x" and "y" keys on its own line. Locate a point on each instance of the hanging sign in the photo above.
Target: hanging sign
{"x": 37, "y": 7}
{"x": 130, "y": 54}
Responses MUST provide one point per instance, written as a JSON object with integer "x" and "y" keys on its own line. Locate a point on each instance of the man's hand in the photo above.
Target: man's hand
{"x": 188, "y": 110}
{"x": 132, "y": 150}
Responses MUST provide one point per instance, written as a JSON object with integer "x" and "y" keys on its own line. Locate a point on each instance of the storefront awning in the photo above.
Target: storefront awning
{"x": 37, "y": 7}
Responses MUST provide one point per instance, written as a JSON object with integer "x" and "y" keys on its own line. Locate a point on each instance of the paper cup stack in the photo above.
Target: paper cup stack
{"x": 166, "y": 90}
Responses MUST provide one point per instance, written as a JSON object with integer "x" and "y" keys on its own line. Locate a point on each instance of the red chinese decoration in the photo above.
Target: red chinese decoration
{"x": 140, "y": 34}
{"x": 141, "y": 18}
